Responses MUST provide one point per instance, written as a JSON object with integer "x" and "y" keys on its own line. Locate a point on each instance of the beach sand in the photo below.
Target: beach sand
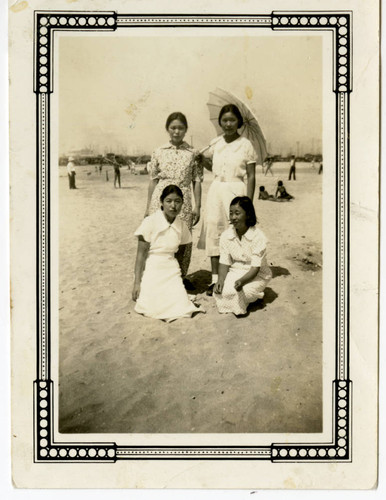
{"x": 122, "y": 373}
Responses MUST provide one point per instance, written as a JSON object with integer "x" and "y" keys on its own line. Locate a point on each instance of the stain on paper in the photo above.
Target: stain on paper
{"x": 275, "y": 384}
{"x": 248, "y": 92}
{"x": 132, "y": 109}
{"x": 289, "y": 483}
{"x": 19, "y": 6}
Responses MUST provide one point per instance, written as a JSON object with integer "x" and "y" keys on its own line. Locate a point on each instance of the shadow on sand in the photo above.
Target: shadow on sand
{"x": 200, "y": 280}
{"x": 279, "y": 271}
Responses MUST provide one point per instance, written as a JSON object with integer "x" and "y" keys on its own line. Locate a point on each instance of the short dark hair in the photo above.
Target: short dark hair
{"x": 247, "y": 205}
{"x": 279, "y": 183}
{"x": 176, "y": 116}
{"x": 262, "y": 188}
{"x": 231, "y": 108}
{"x": 171, "y": 188}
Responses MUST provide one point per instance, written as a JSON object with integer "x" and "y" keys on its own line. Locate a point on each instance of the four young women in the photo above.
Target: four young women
{"x": 238, "y": 253}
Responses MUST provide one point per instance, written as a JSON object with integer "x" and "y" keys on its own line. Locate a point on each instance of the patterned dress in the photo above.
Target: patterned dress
{"x": 241, "y": 255}
{"x": 229, "y": 169}
{"x": 176, "y": 165}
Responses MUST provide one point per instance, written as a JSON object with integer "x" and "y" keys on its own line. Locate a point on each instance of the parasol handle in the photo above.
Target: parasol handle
{"x": 204, "y": 149}
{"x": 207, "y": 147}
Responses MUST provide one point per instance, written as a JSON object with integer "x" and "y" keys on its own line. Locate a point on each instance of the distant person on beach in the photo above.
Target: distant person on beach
{"x": 292, "y": 171}
{"x": 158, "y": 288}
{"x": 71, "y": 173}
{"x": 281, "y": 193}
{"x": 263, "y": 194}
{"x": 243, "y": 270}
{"x": 117, "y": 173}
{"x": 100, "y": 167}
{"x": 176, "y": 163}
{"x": 269, "y": 162}
{"x": 320, "y": 168}
{"x": 232, "y": 159}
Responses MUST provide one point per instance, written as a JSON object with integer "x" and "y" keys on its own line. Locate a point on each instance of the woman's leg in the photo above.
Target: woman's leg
{"x": 214, "y": 262}
{"x": 184, "y": 259}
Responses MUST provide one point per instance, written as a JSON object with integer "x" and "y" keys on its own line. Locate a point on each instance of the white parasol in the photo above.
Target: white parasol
{"x": 251, "y": 128}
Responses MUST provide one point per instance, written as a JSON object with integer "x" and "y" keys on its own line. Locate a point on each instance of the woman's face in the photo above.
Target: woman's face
{"x": 238, "y": 217}
{"x": 177, "y": 131}
{"x": 229, "y": 123}
{"x": 172, "y": 206}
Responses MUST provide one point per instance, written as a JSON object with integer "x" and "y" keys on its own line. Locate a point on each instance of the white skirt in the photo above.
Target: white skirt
{"x": 219, "y": 197}
{"x": 232, "y": 301}
{"x": 162, "y": 294}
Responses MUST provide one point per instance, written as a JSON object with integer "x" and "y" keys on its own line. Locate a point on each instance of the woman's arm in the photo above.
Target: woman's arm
{"x": 150, "y": 191}
{"x": 222, "y": 274}
{"x": 178, "y": 255}
{"x": 197, "y": 201}
{"x": 251, "y": 180}
{"x": 247, "y": 278}
{"x": 142, "y": 251}
{"x": 205, "y": 161}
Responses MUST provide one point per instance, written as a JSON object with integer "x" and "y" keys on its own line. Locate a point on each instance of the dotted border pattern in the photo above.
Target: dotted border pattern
{"x": 340, "y": 24}
{"x": 339, "y": 450}
{"x": 342, "y": 236}
{"x": 193, "y": 21}
{"x": 43, "y": 236}
{"x": 48, "y": 22}
{"x": 189, "y": 452}
{"x": 103, "y": 452}
{"x": 48, "y": 451}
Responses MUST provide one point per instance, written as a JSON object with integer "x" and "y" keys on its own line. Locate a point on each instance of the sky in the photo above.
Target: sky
{"x": 115, "y": 92}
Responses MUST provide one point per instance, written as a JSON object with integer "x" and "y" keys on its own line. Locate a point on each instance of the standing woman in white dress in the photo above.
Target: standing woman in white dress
{"x": 158, "y": 288}
{"x": 243, "y": 270}
{"x": 232, "y": 160}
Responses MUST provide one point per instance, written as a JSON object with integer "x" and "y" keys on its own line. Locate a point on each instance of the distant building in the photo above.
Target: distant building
{"x": 81, "y": 153}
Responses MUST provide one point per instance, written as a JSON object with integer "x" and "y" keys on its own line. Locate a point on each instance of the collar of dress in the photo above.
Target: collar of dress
{"x": 222, "y": 140}
{"x": 162, "y": 223}
{"x": 184, "y": 145}
{"x": 231, "y": 233}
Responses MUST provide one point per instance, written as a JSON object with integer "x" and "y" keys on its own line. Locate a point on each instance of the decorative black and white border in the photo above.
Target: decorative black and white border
{"x": 47, "y": 24}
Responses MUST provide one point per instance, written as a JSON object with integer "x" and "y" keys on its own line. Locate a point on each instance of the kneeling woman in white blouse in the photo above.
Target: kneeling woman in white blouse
{"x": 243, "y": 270}
{"x": 158, "y": 288}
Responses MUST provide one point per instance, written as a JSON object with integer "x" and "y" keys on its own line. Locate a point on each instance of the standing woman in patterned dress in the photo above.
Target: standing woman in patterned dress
{"x": 176, "y": 163}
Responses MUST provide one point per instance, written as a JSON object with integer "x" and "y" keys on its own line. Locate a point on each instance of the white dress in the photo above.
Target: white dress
{"x": 241, "y": 255}
{"x": 229, "y": 168}
{"x": 162, "y": 294}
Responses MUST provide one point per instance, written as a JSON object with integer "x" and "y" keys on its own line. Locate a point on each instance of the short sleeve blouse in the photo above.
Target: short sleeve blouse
{"x": 162, "y": 236}
{"x": 249, "y": 251}
{"x": 230, "y": 160}
{"x": 175, "y": 163}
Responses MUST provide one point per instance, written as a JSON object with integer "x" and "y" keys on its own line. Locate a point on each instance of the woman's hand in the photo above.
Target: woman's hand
{"x": 196, "y": 216}
{"x": 238, "y": 285}
{"x": 218, "y": 287}
{"x": 135, "y": 292}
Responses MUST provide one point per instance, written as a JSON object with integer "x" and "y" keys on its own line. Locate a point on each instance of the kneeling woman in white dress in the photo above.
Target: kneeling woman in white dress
{"x": 243, "y": 270}
{"x": 158, "y": 288}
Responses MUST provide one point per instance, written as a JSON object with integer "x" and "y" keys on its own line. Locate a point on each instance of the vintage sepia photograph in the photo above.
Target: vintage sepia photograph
{"x": 194, "y": 211}
{"x": 214, "y": 324}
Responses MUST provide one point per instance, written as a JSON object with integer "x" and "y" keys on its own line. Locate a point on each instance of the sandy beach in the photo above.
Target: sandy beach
{"x": 122, "y": 373}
